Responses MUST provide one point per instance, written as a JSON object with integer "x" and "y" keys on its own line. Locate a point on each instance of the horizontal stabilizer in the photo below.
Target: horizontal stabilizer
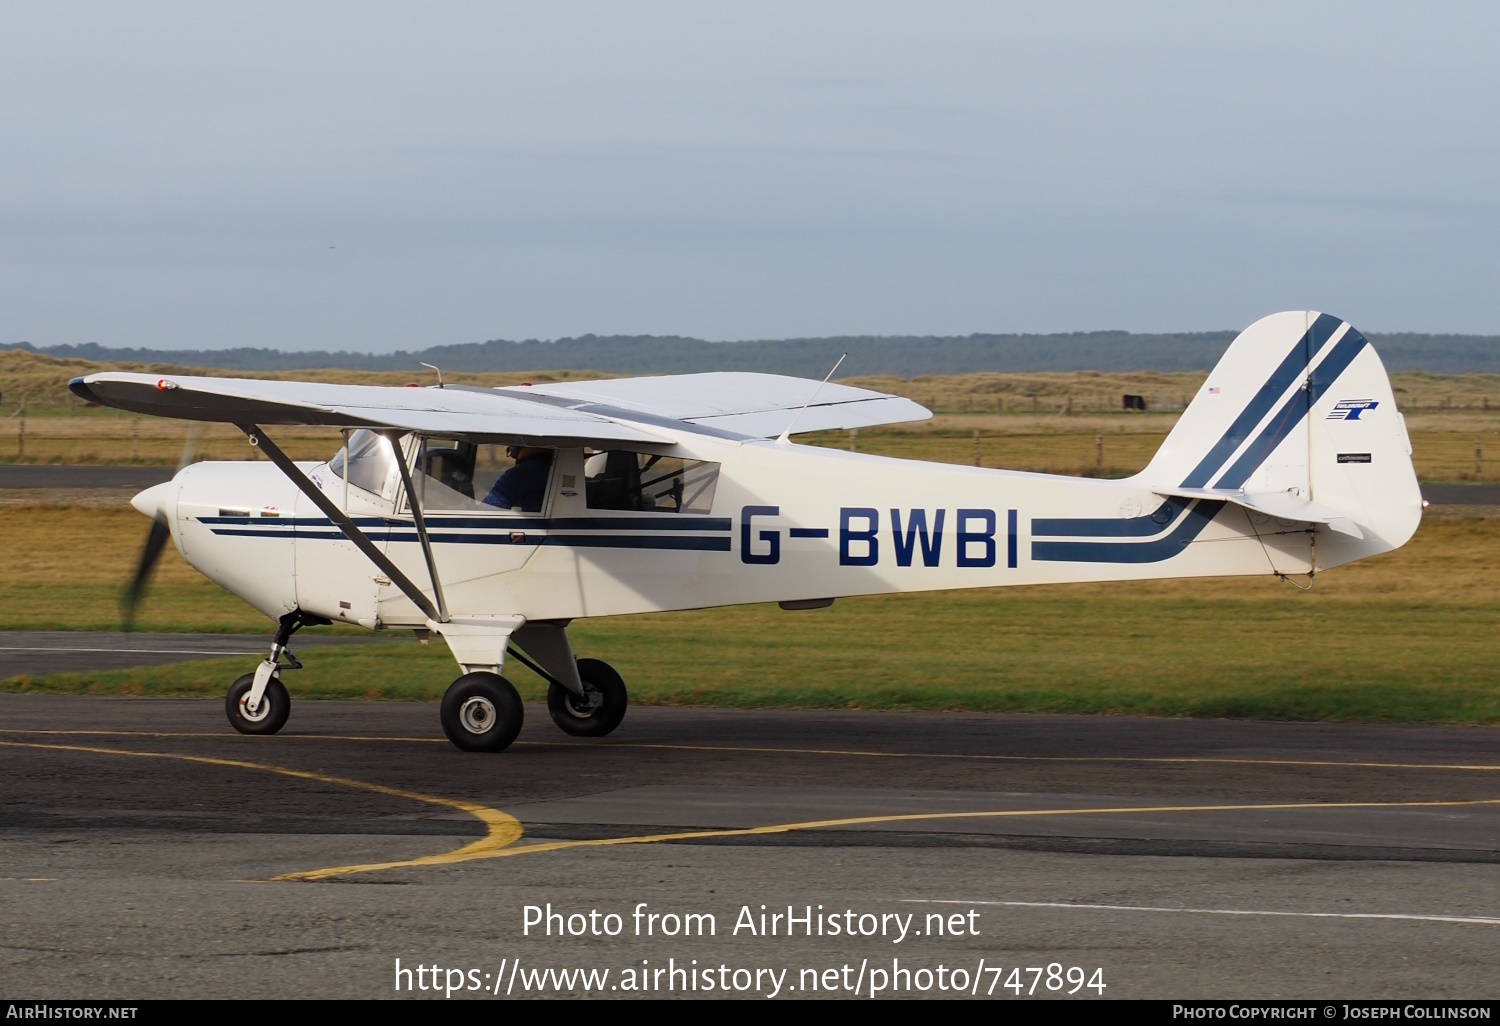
{"x": 1283, "y": 505}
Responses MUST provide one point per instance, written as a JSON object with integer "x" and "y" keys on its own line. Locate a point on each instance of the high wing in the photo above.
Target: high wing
{"x": 757, "y": 405}
{"x": 620, "y": 410}
{"x": 479, "y": 414}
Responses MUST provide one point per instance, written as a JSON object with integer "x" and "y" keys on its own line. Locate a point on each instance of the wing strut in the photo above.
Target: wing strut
{"x": 394, "y": 438}
{"x": 340, "y": 519}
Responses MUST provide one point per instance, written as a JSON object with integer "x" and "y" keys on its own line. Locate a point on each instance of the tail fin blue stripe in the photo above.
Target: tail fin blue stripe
{"x": 1285, "y": 375}
{"x": 1294, "y": 410}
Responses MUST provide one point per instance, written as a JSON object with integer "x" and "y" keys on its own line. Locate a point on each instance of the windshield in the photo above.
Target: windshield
{"x": 371, "y": 460}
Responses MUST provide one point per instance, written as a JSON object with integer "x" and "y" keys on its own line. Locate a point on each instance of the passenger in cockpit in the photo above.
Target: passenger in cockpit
{"x": 524, "y": 485}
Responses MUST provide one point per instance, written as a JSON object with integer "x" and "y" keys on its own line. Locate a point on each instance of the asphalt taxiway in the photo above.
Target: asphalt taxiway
{"x": 40, "y": 652}
{"x": 149, "y": 851}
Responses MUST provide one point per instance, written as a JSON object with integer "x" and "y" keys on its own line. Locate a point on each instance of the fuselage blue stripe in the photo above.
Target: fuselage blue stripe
{"x": 638, "y": 541}
{"x": 1153, "y": 523}
{"x": 1293, "y": 411}
{"x": 1285, "y": 375}
{"x": 500, "y": 522}
{"x": 1192, "y": 525}
{"x": 606, "y": 541}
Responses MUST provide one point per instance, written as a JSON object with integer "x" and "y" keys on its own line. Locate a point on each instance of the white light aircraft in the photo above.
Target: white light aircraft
{"x": 680, "y": 492}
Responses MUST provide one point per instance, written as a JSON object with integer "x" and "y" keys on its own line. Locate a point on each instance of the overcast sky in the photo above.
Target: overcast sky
{"x": 377, "y": 176}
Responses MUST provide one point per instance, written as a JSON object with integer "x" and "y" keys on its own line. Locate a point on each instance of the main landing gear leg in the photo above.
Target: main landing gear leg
{"x": 481, "y": 711}
{"x": 585, "y": 697}
{"x": 257, "y": 703}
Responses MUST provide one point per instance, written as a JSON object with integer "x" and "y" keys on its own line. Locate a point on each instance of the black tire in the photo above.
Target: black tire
{"x": 605, "y": 705}
{"x": 481, "y": 712}
{"x": 276, "y": 706}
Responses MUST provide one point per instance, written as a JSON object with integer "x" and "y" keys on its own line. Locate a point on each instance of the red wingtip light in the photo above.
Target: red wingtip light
{"x": 162, "y": 384}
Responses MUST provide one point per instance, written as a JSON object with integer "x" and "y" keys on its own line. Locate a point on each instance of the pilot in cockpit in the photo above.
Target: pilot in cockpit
{"x": 524, "y": 485}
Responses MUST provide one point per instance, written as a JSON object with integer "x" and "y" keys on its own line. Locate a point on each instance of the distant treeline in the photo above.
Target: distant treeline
{"x": 906, "y": 356}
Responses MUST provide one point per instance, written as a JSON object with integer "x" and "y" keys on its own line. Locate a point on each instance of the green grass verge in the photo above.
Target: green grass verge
{"x": 1272, "y": 654}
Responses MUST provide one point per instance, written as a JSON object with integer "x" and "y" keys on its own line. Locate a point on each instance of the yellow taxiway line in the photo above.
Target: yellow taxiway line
{"x": 504, "y": 830}
{"x": 1164, "y": 760}
{"x": 501, "y": 829}
{"x": 914, "y": 817}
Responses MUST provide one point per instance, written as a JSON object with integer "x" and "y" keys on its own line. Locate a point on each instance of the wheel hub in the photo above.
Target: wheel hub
{"x": 477, "y": 715}
{"x": 261, "y": 711}
{"x": 585, "y": 706}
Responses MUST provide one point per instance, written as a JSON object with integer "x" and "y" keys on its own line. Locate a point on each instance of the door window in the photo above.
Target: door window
{"x": 458, "y": 476}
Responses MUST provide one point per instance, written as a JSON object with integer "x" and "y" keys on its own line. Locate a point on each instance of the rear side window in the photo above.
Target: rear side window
{"x": 624, "y": 480}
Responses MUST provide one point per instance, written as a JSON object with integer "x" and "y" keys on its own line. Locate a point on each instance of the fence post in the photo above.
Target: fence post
{"x": 1099, "y": 451}
{"x": 135, "y": 438}
{"x": 976, "y": 448}
{"x": 21, "y": 437}
{"x": 854, "y": 439}
{"x": 1479, "y": 458}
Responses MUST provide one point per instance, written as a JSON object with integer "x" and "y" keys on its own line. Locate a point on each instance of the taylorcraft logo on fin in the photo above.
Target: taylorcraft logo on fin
{"x": 1350, "y": 409}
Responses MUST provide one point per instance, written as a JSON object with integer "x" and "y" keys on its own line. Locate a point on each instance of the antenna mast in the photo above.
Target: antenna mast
{"x": 785, "y": 436}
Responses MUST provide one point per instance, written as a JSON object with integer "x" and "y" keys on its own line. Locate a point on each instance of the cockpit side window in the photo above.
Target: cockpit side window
{"x": 445, "y": 473}
{"x": 453, "y": 475}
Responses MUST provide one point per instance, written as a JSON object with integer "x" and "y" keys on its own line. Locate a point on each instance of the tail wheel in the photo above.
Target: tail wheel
{"x": 269, "y": 715}
{"x": 482, "y": 712}
{"x": 598, "y": 710}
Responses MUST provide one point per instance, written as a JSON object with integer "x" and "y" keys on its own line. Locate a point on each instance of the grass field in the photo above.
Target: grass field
{"x": 1046, "y": 423}
{"x": 1410, "y": 636}
{"x": 1407, "y": 637}
{"x": 42, "y": 381}
{"x": 1104, "y": 445}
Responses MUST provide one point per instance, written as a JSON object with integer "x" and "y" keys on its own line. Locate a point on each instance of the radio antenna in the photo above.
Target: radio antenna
{"x": 439, "y": 372}
{"x": 786, "y": 435}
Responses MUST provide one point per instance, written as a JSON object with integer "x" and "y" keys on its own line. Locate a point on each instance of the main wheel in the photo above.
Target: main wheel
{"x": 275, "y": 706}
{"x": 601, "y": 708}
{"x": 482, "y": 713}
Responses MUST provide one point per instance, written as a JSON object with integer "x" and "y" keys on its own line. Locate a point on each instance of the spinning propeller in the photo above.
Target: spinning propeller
{"x": 149, "y": 503}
